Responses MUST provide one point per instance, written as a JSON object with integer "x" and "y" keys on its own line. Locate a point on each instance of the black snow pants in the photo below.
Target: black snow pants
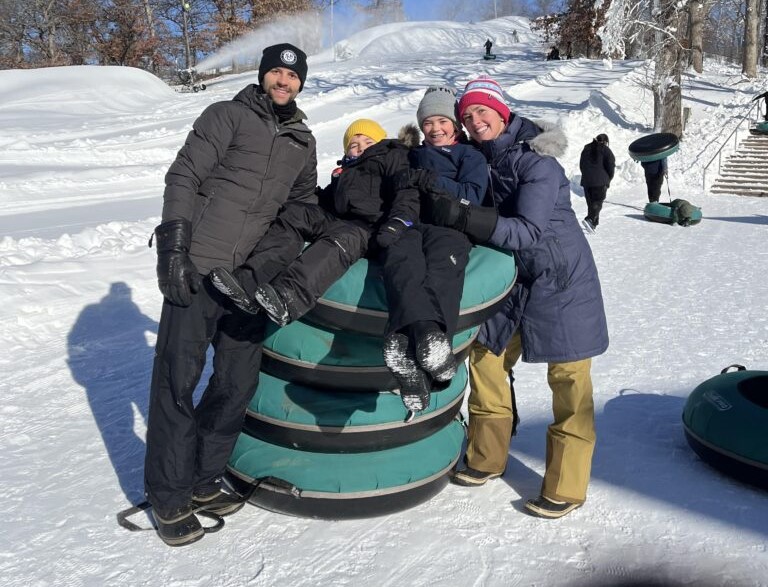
{"x": 188, "y": 446}
{"x": 654, "y": 183}
{"x": 424, "y": 276}
{"x": 303, "y": 277}
{"x": 595, "y": 197}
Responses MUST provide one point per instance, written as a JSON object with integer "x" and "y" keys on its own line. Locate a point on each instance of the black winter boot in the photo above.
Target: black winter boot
{"x": 273, "y": 304}
{"x": 412, "y": 381}
{"x": 218, "y": 502}
{"x": 228, "y": 284}
{"x": 178, "y": 527}
{"x": 433, "y": 351}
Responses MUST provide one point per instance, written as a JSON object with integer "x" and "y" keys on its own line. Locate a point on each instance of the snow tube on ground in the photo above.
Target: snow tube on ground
{"x": 322, "y": 357}
{"x": 725, "y": 420}
{"x": 357, "y": 301}
{"x": 665, "y": 213}
{"x": 307, "y": 418}
{"x": 654, "y": 147}
{"x": 761, "y": 128}
{"x": 344, "y": 486}
{"x": 490, "y": 56}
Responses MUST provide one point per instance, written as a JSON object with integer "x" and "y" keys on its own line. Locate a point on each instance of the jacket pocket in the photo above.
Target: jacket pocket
{"x": 559, "y": 264}
{"x": 202, "y": 204}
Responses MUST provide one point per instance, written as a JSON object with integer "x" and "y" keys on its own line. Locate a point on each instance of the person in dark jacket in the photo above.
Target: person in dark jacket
{"x": 424, "y": 269}
{"x": 364, "y": 205}
{"x": 241, "y": 162}
{"x": 488, "y": 45}
{"x": 597, "y": 165}
{"x": 654, "y": 177}
{"x": 555, "y": 312}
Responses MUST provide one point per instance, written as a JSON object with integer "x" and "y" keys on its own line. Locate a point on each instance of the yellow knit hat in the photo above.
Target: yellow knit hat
{"x": 364, "y": 126}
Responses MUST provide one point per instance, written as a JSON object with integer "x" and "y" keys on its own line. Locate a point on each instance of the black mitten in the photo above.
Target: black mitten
{"x": 423, "y": 179}
{"x": 477, "y": 222}
{"x": 391, "y": 231}
{"x": 177, "y": 276}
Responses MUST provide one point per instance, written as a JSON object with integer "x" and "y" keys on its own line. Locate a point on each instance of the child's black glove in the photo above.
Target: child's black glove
{"x": 477, "y": 222}
{"x": 391, "y": 231}
{"x": 423, "y": 179}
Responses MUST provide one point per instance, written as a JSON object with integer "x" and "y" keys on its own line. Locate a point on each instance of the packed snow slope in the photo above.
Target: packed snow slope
{"x": 83, "y": 151}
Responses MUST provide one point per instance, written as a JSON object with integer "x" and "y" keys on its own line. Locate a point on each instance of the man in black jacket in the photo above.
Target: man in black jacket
{"x": 241, "y": 162}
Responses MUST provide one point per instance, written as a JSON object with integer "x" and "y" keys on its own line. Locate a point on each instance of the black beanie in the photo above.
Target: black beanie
{"x": 284, "y": 55}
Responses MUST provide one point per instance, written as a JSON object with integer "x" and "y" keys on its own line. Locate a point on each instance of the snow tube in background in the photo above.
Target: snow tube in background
{"x": 654, "y": 147}
{"x": 666, "y": 214}
{"x": 726, "y": 423}
{"x": 336, "y": 486}
{"x": 761, "y": 128}
{"x": 357, "y": 301}
{"x": 308, "y": 418}
{"x": 335, "y": 359}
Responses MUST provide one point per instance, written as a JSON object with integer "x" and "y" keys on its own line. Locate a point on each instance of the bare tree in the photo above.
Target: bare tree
{"x": 751, "y": 25}
{"x": 696, "y": 13}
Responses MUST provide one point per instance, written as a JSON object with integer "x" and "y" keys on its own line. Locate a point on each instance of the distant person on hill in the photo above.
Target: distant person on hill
{"x": 366, "y": 206}
{"x": 424, "y": 269}
{"x": 553, "y": 54}
{"x": 243, "y": 159}
{"x": 488, "y": 45}
{"x": 655, "y": 171}
{"x": 554, "y": 314}
{"x": 597, "y": 165}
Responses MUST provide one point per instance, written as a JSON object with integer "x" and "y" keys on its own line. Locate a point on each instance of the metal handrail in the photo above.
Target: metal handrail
{"x": 719, "y": 154}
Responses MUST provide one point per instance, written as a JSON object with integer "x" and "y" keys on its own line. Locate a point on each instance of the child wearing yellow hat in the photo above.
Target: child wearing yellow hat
{"x": 364, "y": 207}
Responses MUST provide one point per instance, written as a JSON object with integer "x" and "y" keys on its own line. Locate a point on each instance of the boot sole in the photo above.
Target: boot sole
{"x": 184, "y": 540}
{"x": 222, "y": 510}
{"x": 469, "y": 481}
{"x": 550, "y": 514}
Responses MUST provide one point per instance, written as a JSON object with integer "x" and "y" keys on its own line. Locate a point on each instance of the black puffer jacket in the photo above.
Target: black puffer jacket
{"x": 371, "y": 189}
{"x": 238, "y": 165}
{"x": 597, "y": 165}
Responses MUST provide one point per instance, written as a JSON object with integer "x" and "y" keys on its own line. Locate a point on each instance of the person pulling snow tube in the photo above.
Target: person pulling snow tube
{"x": 336, "y": 486}
{"x": 313, "y": 419}
{"x": 677, "y": 211}
{"x": 357, "y": 301}
{"x": 725, "y": 421}
{"x": 334, "y": 359}
{"x": 654, "y": 146}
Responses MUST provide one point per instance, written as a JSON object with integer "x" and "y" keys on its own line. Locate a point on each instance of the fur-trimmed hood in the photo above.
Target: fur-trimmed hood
{"x": 550, "y": 141}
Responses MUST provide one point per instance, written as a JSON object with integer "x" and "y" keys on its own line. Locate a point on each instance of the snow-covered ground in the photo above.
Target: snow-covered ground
{"x": 83, "y": 151}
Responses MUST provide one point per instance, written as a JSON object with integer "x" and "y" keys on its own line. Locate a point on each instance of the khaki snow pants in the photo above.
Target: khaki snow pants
{"x": 570, "y": 438}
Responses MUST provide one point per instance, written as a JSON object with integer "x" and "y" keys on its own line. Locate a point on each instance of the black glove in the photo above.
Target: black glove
{"x": 477, "y": 222}
{"x": 391, "y": 231}
{"x": 423, "y": 179}
{"x": 177, "y": 276}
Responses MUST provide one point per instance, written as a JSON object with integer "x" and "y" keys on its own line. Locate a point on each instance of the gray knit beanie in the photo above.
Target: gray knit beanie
{"x": 437, "y": 101}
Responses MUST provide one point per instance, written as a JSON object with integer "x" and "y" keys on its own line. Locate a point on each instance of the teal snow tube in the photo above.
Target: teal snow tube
{"x": 322, "y": 420}
{"x": 357, "y": 301}
{"x": 344, "y": 486}
{"x": 726, "y": 423}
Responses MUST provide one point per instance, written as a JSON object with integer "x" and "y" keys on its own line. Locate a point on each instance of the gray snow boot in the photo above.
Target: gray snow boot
{"x": 411, "y": 379}
{"x": 434, "y": 352}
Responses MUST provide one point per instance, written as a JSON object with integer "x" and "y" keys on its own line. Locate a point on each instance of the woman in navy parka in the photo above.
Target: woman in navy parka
{"x": 555, "y": 313}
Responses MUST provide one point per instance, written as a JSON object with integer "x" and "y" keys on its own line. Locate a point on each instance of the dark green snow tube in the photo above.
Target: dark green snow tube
{"x": 726, "y": 423}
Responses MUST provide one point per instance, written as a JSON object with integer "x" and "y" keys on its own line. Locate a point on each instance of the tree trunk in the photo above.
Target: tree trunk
{"x": 667, "y": 95}
{"x": 752, "y": 20}
{"x": 696, "y": 35}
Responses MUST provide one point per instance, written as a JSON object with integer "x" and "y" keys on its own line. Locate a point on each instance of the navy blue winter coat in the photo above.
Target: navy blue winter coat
{"x": 557, "y": 304}
{"x": 461, "y": 169}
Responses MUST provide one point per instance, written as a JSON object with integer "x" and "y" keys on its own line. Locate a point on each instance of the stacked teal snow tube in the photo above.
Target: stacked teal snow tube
{"x": 326, "y": 435}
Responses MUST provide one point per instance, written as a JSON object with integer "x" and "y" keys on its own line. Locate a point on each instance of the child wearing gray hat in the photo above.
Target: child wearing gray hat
{"x": 423, "y": 291}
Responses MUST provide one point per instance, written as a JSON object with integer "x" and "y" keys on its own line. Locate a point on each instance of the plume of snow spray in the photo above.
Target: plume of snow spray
{"x": 303, "y": 30}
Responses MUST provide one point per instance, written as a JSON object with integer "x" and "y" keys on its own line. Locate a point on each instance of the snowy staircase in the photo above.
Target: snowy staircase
{"x": 745, "y": 172}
